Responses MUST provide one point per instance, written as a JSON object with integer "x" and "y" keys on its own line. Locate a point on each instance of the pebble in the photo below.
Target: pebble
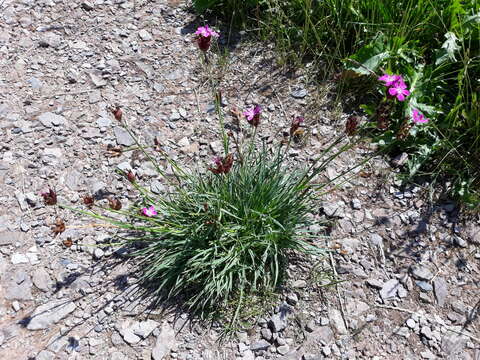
{"x": 389, "y": 289}
{"x": 260, "y": 345}
{"x": 277, "y": 323}
{"x": 165, "y": 342}
{"x": 441, "y": 290}
{"x": 299, "y": 93}
{"x": 51, "y": 313}
{"x": 411, "y": 323}
{"x": 123, "y": 137}
{"x": 421, "y": 273}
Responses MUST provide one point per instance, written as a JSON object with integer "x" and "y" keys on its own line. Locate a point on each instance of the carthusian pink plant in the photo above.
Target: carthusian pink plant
{"x": 253, "y": 115}
{"x": 389, "y": 80}
{"x": 418, "y": 117}
{"x": 204, "y": 37}
{"x": 399, "y": 89}
{"x": 150, "y": 211}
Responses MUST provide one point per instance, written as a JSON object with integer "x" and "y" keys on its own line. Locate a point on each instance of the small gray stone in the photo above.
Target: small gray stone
{"x": 35, "y": 83}
{"x": 145, "y": 328}
{"x": 103, "y": 122}
{"x": 51, "y": 313}
{"x": 356, "y": 204}
{"x": 276, "y": 323}
{"x": 283, "y": 349}
{"x": 145, "y": 35}
{"x": 411, "y": 323}
{"x": 299, "y": 93}
{"x": 87, "y": 5}
{"x": 425, "y": 286}
{"x": 10, "y": 237}
{"x": 376, "y": 240}
{"x": 266, "y": 334}
{"x": 310, "y": 326}
{"x": 165, "y": 342}
{"x": 49, "y": 119}
{"x": 45, "y": 355}
{"x": 41, "y": 279}
{"x": 260, "y": 345}
{"x": 460, "y": 242}
{"x": 420, "y": 272}
{"x": 427, "y": 332}
{"x": 376, "y": 284}
{"x": 389, "y": 289}
{"x": 337, "y": 321}
{"x": 453, "y": 344}
{"x": 427, "y": 354}
{"x": 19, "y": 287}
{"x": 292, "y": 299}
{"x": 129, "y": 336}
{"x": 323, "y": 334}
{"x": 441, "y": 290}
{"x": 123, "y": 137}
{"x": 98, "y": 253}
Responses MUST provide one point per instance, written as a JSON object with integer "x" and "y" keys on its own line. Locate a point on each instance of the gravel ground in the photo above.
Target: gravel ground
{"x": 409, "y": 268}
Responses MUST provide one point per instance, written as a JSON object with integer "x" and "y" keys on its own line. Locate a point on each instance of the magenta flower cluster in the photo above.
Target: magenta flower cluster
{"x": 418, "y": 117}
{"x": 396, "y": 86}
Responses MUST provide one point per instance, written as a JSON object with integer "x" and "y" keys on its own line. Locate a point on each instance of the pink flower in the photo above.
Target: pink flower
{"x": 399, "y": 89}
{"x": 418, "y": 117}
{"x": 389, "y": 80}
{"x": 149, "y": 212}
{"x": 206, "y": 32}
{"x": 253, "y": 115}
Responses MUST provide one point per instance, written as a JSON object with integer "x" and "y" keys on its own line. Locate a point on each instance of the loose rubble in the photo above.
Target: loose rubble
{"x": 403, "y": 276}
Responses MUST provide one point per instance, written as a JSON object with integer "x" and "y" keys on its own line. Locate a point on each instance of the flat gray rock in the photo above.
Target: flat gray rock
{"x": 123, "y": 137}
{"x": 441, "y": 290}
{"x": 165, "y": 342}
{"x": 389, "y": 289}
{"x": 51, "y": 313}
{"x": 50, "y": 119}
{"x": 420, "y": 272}
{"x": 41, "y": 279}
{"x": 10, "y": 237}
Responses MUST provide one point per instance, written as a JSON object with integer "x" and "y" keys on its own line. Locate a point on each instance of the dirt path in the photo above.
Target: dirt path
{"x": 412, "y": 268}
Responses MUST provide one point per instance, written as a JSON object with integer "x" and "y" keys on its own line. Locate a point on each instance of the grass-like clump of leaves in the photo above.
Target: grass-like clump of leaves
{"x": 227, "y": 234}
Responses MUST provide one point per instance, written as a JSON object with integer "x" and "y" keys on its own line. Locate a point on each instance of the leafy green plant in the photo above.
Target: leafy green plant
{"x": 434, "y": 44}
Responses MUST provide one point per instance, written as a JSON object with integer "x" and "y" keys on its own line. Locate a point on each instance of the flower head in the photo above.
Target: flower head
{"x": 399, "y": 89}
{"x": 205, "y": 35}
{"x": 207, "y": 32}
{"x": 389, "y": 80}
{"x": 296, "y": 123}
{"x": 49, "y": 197}
{"x": 149, "y": 212}
{"x": 418, "y": 117}
{"x": 253, "y": 115}
{"x": 223, "y": 165}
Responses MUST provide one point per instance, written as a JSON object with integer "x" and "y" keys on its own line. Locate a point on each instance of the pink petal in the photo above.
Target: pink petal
{"x": 393, "y": 91}
{"x": 400, "y": 96}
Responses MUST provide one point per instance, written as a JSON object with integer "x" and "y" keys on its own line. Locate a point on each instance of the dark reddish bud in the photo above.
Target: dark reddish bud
{"x": 351, "y": 126}
{"x": 89, "y": 201}
{"x": 296, "y": 123}
{"x": 131, "y": 176}
{"x": 59, "y": 227}
{"x": 117, "y": 112}
{"x": 223, "y": 166}
{"x": 204, "y": 42}
{"x": 114, "y": 203}
{"x": 49, "y": 197}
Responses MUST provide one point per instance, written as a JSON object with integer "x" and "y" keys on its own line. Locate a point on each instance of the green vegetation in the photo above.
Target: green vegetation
{"x": 433, "y": 44}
